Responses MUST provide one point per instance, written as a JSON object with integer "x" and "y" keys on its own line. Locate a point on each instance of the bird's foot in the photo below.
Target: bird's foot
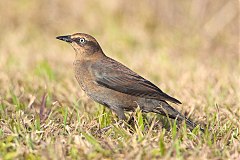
{"x": 105, "y": 129}
{"x": 120, "y": 123}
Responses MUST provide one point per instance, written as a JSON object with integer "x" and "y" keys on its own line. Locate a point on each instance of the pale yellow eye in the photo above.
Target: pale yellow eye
{"x": 82, "y": 40}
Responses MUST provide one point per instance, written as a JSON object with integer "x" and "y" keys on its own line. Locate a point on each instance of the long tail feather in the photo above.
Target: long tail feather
{"x": 169, "y": 111}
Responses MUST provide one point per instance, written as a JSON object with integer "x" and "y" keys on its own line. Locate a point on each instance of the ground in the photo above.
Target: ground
{"x": 189, "y": 50}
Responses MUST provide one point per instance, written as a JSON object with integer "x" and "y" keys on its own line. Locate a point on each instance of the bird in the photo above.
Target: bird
{"x": 115, "y": 86}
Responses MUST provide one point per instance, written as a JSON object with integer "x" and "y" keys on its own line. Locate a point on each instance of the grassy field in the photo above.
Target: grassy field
{"x": 190, "y": 49}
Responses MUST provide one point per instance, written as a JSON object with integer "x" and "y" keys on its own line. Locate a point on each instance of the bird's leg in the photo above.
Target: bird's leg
{"x": 120, "y": 114}
{"x": 131, "y": 119}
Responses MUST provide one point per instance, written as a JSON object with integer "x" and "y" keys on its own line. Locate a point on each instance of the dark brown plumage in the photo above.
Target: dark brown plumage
{"x": 112, "y": 84}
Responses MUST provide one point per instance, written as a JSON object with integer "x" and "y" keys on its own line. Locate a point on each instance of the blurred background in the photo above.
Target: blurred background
{"x": 185, "y": 47}
{"x": 189, "y": 48}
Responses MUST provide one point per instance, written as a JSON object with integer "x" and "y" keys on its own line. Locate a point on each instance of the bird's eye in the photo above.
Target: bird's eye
{"x": 82, "y": 40}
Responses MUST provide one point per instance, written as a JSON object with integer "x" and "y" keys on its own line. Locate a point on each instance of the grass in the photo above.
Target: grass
{"x": 45, "y": 115}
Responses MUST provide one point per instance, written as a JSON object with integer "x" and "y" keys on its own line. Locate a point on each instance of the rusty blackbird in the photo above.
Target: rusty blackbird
{"x": 114, "y": 85}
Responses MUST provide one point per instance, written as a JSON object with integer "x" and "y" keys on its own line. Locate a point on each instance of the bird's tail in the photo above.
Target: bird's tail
{"x": 191, "y": 125}
{"x": 169, "y": 111}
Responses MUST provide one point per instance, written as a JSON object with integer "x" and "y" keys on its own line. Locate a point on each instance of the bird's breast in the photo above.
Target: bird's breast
{"x": 83, "y": 76}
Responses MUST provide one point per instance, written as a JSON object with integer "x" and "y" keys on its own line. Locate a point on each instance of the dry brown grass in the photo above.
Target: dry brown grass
{"x": 190, "y": 49}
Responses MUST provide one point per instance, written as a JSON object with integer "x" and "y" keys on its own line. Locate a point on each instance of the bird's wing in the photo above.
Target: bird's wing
{"x": 113, "y": 75}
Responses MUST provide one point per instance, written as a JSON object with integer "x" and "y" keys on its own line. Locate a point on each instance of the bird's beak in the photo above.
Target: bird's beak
{"x": 65, "y": 38}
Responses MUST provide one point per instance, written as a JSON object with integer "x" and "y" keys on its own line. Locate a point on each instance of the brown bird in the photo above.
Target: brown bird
{"x": 114, "y": 85}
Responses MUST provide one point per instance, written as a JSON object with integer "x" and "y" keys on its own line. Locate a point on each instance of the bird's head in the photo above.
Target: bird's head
{"x": 84, "y": 44}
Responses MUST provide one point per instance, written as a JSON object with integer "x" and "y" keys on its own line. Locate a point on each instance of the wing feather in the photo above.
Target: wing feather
{"x": 113, "y": 75}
